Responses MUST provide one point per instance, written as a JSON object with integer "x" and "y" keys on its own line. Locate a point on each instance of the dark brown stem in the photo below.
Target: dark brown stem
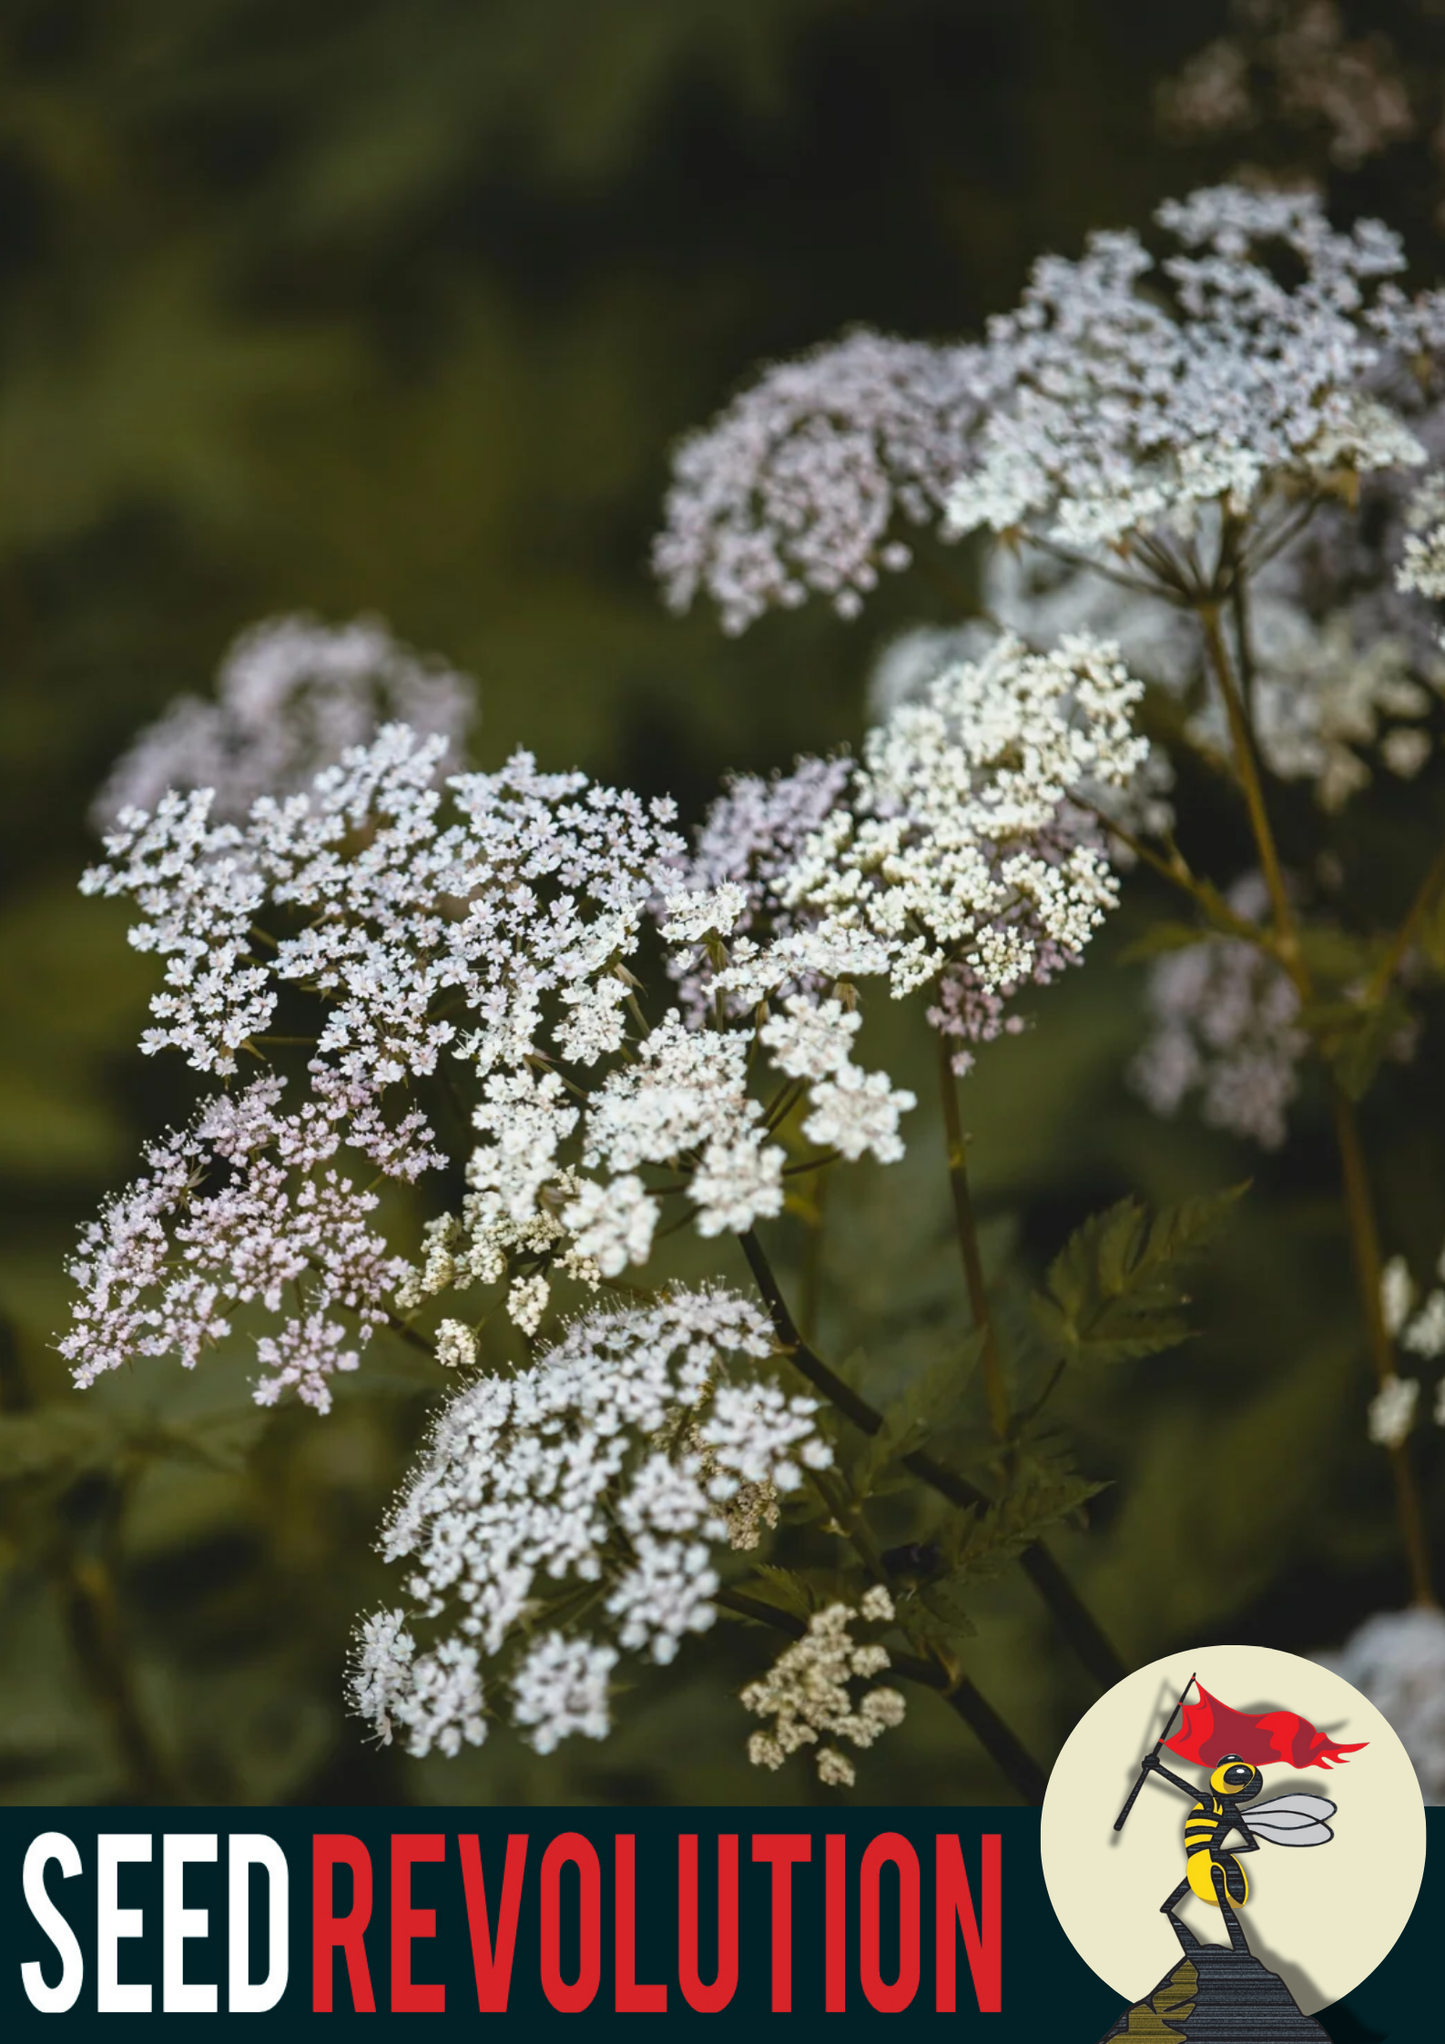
{"x": 1075, "y": 1621}
{"x": 966, "y": 1229}
{"x": 1003, "y": 1747}
{"x": 813, "y": 1267}
{"x": 1365, "y": 1243}
{"x": 410, "y": 1335}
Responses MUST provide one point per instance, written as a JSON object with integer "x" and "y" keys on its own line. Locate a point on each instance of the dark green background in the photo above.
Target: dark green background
{"x": 397, "y": 305}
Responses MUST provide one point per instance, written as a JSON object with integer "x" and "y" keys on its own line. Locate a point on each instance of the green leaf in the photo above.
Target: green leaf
{"x": 1114, "y": 1292}
{"x": 1357, "y": 1039}
{"x": 925, "y": 1404}
{"x": 780, "y": 1588}
{"x": 988, "y": 1540}
{"x": 64, "y": 1441}
{"x": 56, "y": 1440}
{"x": 220, "y": 1440}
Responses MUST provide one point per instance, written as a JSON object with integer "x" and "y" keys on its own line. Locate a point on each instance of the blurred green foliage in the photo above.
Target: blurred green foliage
{"x": 397, "y": 305}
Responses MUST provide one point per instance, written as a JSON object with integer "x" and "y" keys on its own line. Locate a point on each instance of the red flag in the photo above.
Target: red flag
{"x": 1211, "y": 1729}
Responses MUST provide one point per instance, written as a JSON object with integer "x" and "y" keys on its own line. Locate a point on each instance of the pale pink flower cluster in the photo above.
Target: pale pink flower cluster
{"x": 809, "y": 479}
{"x": 292, "y": 696}
{"x": 1316, "y": 74}
{"x": 750, "y": 838}
{"x": 489, "y": 923}
{"x": 1226, "y": 1025}
{"x": 246, "y": 1208}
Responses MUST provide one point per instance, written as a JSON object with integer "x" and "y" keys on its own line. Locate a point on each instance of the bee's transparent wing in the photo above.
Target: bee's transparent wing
{"x": 1292, "y": 1820}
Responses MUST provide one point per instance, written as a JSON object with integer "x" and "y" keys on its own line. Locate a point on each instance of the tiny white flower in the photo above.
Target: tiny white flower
{"x": 456, "y": 1346}
{"x": 1392, "y": 1411}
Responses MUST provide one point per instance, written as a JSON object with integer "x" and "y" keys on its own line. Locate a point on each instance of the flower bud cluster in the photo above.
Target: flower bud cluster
{"x": 807, "y": 1692}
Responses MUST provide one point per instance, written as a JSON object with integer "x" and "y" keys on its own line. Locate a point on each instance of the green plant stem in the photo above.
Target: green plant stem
{"x": 1365, "y": 1242}
{"x": 1359, "y": 1207}
{"x": 1074, "y": 1620}
{"x": 1247, "y": 769}
{"x": 1003, "y": 1747}
{"x": 966, "y": 1229}
{"x": 1426, "y": 895}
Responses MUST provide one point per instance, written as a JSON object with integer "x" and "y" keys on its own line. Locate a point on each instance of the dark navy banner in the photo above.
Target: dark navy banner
{"x": 540, "y": 1915}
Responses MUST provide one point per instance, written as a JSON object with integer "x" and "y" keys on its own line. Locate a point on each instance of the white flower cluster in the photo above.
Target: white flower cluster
{"x": 1126, "y": 415}
{"x": 533, "y": 888}
{"x": 1226, "y": 1024}
{"x": 1422, "y": 566}
{"x": 801, "y": 483}
{"x": 1117, "y": 401}
{"x": 599, "y": 1478}
{"x": 1417, "y": 1324}
{"x": 806, "y": 1692}
{"x": 1397, "y": 1660}
{"x": 489, "y": 923}
{"x": 245, "y": 1207}
{"x": 965, "y": 854}
{"x": 291, "y": 697}
{"x": 749, "y": 839}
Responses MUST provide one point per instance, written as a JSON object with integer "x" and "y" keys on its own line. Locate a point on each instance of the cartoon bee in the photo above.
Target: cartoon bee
{"x": 1214, "y": 1874}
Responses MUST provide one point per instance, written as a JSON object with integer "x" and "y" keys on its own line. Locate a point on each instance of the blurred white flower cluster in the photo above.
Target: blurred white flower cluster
{"x": 591, "y": 1487}
{"x": 1397, "y": 1660}
{"x": 1416, "y": 1323}
{"x": 1226, "y": 1023}
{"x": 291, "y": 696}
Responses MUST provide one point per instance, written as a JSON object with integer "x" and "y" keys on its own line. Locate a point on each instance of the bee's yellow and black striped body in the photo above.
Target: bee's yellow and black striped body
{"x": 1205, "y": 1829}
{"x": 1210, "y": 1822}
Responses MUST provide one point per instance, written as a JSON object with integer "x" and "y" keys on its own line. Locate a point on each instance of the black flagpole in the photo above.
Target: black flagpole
{"x": 1143, "y": 1769}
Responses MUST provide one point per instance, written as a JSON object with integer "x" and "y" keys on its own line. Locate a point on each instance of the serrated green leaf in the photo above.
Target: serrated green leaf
{"x": 935, "y": 1616}
{"x": 1357, "y": 1039}
{"x": 56, "y": 1441}
{"x": 924, "y": 1405}
{"x": 781, "y": 1588}
{"x": 1114, "y": 1291}
{"x": 981, "y": 1544}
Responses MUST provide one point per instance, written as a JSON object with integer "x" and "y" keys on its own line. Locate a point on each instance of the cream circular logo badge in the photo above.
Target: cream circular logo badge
{"x": 1232, "y": 1838}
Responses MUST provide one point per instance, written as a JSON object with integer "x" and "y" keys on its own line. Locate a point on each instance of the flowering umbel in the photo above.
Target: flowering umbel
{"x": 570, "y": 1512}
